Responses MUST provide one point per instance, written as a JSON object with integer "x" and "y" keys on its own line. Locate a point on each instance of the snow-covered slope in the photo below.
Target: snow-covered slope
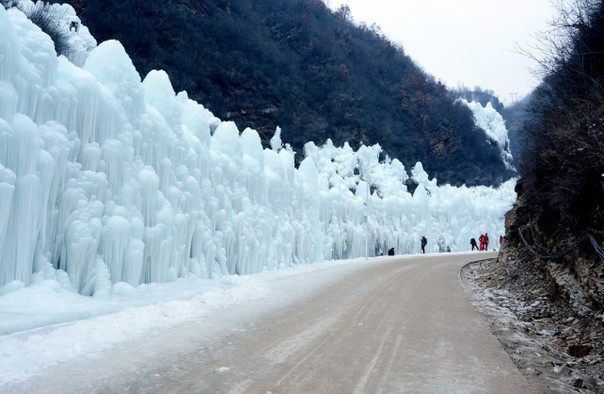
{"x": 107, "y": 180}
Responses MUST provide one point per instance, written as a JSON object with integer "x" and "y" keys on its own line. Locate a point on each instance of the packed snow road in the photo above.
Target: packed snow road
{"x": 393, "y": 325}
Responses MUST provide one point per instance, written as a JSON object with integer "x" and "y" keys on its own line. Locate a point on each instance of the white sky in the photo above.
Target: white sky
{"x": 469, "y": 42}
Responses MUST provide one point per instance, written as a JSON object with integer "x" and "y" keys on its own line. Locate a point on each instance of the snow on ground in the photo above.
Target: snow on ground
{"x": 43, "y": 324}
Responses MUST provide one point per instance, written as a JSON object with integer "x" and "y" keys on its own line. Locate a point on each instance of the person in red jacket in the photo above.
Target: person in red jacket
{"x": 481, "y": 241}
{"x": 486, "y": 241}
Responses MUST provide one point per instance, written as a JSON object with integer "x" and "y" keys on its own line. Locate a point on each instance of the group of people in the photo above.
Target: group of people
{"x": 484, "y": 242}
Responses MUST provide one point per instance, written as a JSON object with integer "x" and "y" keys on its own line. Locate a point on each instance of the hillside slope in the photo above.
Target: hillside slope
{"x": 296, "y": 65}
{"x": 559, "y": 216}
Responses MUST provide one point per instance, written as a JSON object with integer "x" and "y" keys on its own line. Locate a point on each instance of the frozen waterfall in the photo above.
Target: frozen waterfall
{"x": 106, "y": 179}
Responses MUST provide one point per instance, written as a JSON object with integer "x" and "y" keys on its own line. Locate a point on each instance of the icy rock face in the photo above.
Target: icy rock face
{"x": 493, "y": 124}
{"x": 65, "y": 23}
{"x": 112, "y": 180}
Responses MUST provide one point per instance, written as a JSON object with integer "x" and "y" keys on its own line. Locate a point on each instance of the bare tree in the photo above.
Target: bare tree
{"x": 564, "y": 159}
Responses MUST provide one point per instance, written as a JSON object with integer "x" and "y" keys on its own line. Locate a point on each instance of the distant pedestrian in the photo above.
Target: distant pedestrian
{"x": 448, "y": 249}
{"x": 481, "y": 241}
{"x": 500, "y": 241}
{"x": 486, "y": 241}
{"x": 424, "y": 242}
{"x": 391, "y": 252}
{"x": 473, "y": 243}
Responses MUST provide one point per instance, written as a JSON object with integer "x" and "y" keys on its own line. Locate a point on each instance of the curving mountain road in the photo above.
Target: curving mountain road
{"x": 394, "y": 325}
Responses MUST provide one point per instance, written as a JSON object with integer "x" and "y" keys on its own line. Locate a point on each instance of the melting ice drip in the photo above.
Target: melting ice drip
{"x": 105, "y": 178}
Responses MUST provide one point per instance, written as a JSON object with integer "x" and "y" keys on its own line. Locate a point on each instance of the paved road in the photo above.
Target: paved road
{"x": 393, "y": 326}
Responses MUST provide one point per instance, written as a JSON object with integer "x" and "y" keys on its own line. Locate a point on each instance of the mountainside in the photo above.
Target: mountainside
{"x": 296, "y": 65}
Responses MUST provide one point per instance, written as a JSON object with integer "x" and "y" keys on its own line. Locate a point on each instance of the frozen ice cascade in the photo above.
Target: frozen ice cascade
{"x": 108, "y": 180}
{"x": 488, "y": 119}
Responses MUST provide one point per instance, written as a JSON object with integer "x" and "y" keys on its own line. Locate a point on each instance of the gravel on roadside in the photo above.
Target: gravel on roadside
{"x": 556, "y": 349}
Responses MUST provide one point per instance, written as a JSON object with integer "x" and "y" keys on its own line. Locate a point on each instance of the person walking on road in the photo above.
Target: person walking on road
{"x": 424, "y": 242}
{"x": 473, "y": 243}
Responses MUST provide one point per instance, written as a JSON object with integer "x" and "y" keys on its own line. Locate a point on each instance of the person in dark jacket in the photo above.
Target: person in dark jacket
{"x": 473, "y": 243}
{"x": 424, "y": 242}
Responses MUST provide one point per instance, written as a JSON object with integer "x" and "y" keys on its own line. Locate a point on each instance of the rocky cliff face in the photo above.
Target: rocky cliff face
{"x": 572, "y": 268}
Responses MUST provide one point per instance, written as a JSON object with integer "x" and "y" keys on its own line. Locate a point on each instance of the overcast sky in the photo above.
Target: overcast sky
{"x": 469, "y": 42}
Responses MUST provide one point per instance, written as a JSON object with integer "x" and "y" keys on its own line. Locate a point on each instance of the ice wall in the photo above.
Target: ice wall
{"x": 105, "y": 178}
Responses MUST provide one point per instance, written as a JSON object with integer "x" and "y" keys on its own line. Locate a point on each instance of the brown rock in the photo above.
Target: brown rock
{"x": 579, "y": 350}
